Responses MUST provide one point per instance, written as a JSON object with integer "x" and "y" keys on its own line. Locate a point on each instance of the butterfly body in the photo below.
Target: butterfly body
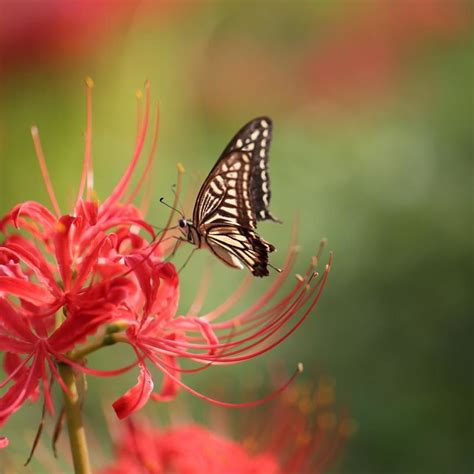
{"x": 232, "y": 199}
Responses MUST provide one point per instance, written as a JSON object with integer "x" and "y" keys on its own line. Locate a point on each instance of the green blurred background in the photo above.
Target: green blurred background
{"x": 372, "y": 148}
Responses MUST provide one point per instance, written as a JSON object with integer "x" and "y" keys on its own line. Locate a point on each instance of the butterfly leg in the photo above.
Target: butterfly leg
{"x": 188, "y": 259}
{"x": 179, "y": 240}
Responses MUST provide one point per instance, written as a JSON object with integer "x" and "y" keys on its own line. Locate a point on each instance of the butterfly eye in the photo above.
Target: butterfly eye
{"x": 182, "y": 223}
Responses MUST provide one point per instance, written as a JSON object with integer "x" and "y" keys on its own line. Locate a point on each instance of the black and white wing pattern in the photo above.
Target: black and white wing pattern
{"x": 255, "y": 138}
{"x": 236, "y": 195}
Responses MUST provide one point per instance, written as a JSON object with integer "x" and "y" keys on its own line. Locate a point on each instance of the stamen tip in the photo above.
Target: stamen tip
{"x": 300, "y": 367}
{"x": 180, "y": 168}
{"x": 89, "y": 82}
{"x": 34, "y": 130}
{"x": 138, "y": 94}
{"x": 299, "y": 277}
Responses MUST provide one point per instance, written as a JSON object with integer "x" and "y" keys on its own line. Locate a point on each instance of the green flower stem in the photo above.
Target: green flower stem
{"x": 75, "y": 426}
{"x": 73, "y": 405}
{"x": 94, "y": 345}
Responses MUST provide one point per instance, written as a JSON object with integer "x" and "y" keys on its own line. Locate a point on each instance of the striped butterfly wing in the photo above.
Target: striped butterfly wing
{"x": 255, "y": 138}
{"x": 253, "y": 142}
{"x": 238, "y": 246}
{"x": 235, "y": 196}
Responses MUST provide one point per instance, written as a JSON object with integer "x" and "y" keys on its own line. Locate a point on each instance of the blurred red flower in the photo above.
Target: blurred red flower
{"x": 365, "y": 53}
{"x": 49, "y": 31}
{"x": 64, "y": 276}
{"x": 359, "y": 52}
{"x": 300, "y": 432}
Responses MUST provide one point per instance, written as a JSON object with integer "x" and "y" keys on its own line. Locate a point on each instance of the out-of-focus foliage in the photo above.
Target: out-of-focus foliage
{"x": 372, "y": 149}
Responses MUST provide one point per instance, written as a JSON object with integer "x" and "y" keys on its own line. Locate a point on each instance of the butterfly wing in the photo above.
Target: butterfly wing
{"x": 236, "y": 195}
{"x": 252, "y": 144}
{"x": 236, "y": 245}
{"x": 225, "y": 196}
{"x": 255, "y": 138}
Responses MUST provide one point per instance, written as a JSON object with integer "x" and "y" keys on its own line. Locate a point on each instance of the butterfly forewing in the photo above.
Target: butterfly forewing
{"x": 254, "y": 138}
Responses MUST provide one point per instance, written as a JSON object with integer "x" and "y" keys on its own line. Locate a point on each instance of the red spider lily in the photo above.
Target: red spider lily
{"x": 300, "y": 432}
{"x": 53, "y": 31}
{"x": 74, "y": 263}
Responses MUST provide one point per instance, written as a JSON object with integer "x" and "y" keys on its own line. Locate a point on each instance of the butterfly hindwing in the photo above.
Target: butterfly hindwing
{"x": 234, "y": 245}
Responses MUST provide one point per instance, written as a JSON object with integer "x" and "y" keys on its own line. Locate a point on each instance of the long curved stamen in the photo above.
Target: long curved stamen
{"x": 139, "y": 97}
{"x": 265, "y": 298}
{"x": 289, "y": 332}
{"x": 268, "y": 330}
{"x": 151, "y": 157}
{"x": 289, "y": 313}
{"x": 285, "y": 316}
{"x": 200, "y": 295}
{"x": 257, "y": 316}
{"x": 123, "y": 183}
{"x": 253, "y": 403}
{"x": 252, "y": 316}
{"x": 231, "y": 301}
{"x": 44, "y": 169}
{"x": 96, "y": 372}
{"x": 87, "y": 164}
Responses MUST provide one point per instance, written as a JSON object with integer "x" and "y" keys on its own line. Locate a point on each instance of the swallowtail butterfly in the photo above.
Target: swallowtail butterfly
{"x": 233, "y": 198}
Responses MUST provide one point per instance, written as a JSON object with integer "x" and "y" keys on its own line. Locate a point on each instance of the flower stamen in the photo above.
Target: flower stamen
{"x": 44, "y": 169}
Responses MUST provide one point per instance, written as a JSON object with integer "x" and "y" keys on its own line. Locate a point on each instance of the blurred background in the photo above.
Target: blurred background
{"x": 372, "y": 109}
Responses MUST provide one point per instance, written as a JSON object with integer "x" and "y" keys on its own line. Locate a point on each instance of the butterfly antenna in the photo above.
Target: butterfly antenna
{"x": 162, "y": 200}
{"x": 173, "y": 190}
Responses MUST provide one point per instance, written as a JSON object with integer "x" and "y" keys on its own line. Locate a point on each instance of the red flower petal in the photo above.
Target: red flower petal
{"x": 3, "y": 442}
{"x": 135, "y": 398}
{"x": 34, "y": 211}
{"x": 63, "y": 249}
{"x": 25, "y": 290}
{"x": 169, "y": 388}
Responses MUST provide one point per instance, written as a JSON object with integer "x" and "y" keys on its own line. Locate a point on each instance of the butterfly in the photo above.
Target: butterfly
{"x": 233, "y": 198}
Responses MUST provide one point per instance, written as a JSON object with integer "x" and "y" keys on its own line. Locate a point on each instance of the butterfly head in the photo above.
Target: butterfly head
{"x": 188, "y": 230}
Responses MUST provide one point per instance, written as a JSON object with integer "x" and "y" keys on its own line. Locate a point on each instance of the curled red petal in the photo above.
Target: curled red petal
{"x": 4, "y": 442}
{"x": 34, "y": 211}
{"x": 136, "y": 397}
{"x": 169, "y": 388}
{"x": 23, "y": 250}
{"x": 13, "y": 324}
